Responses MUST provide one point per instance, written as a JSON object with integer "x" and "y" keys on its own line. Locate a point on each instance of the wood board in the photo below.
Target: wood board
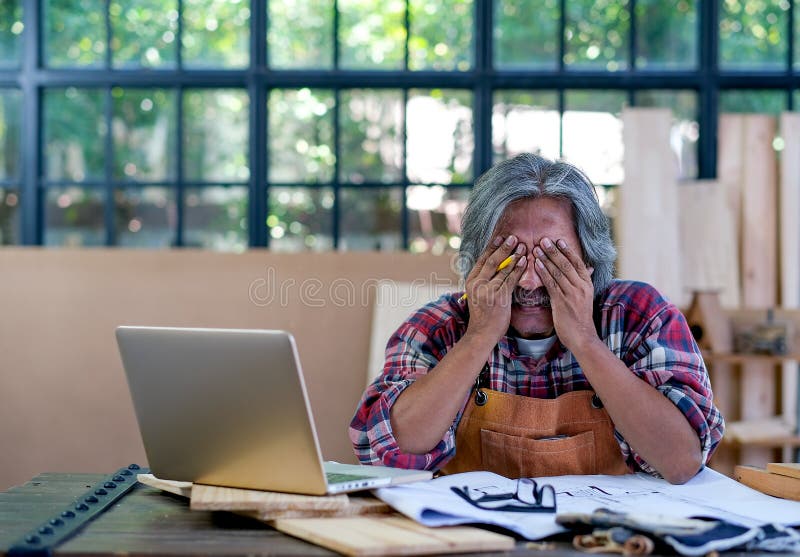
{"x": 764, "y": 432}
{"x": 791, "y": 469}
{"x": 789, "y": 227}
{"x": 647, "y": 223}
{"x": 747, "y": 165}
{"x": 391, "y": 535}
{"x": 184, "y": 489}
{"x": 267, "y": 506}
{"x": 759, "y": 213}
{"x": 776, "y": 485}
{"x": 709, "y": 245}
{"x": 730, "y": 163}
{"x": 264, "y": 505}
{"x": 359, "y": 506}
{"x": 377, "y": 530}
{"x": 219, "y": 498}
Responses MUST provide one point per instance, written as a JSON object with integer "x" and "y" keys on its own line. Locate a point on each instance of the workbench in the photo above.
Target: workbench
{"x": 148, "y": 521}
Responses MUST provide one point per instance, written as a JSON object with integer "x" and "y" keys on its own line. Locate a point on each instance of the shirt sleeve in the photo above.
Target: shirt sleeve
{"x": 668, "y": 358}
{"x": 410, "y": 353}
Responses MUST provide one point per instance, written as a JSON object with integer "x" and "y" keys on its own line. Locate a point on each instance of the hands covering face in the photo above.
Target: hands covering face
{"x": 569, "y": 283}
{"x": 489, "y": 289}
{"x": 562, "y": 273}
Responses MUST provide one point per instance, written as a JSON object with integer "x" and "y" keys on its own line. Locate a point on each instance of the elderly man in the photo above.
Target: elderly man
{"x": 546, "y": 365}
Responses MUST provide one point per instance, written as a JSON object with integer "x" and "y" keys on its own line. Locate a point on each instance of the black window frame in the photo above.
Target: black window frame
{"x": 32, "y": 78}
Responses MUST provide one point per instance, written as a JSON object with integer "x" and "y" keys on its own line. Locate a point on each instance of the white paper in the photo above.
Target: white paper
{"x": 709, "y": 494}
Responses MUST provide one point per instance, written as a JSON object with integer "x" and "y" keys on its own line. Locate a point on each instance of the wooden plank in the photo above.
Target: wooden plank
{"x": 764, "y": 432}
{"x": 791, "y": 469}
{"x": 647, "y": 223}
{"x": 789, "y": 196}
{"x": 709, "y": 244}
{"x": 216, "y": 498}
{"x": 730, "y": 163}
{"x": 266, "y": 506}
{"x": 358, "y": 506}
{"x": 759, "y": 214}
{"x": 759, "y": 262}
{"x": 736, "y": 358}
{"x": 184, "y": 489}
{"x": 395, "y": 535}
{"x": 776, "y": 485}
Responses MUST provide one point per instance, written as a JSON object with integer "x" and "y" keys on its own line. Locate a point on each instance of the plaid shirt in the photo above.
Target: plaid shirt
{"x": 649, "y": 334}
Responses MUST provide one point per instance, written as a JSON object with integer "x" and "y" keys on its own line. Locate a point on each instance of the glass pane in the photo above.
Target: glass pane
{"x": 515, "y": 114}
{"x": 440, "y": 37}
{"x": 300, "y": 34}
{"x": 372, "y": 34}
{"x": 515, "y": 22}
{"x": 216, "y": 134}
{"x": 300, "y": 219}
{"x": 216, "y": 33}
{"x": 592, "y": 128}
{"x": 10, "y": 114}
{"x": 666, "y": 36}
{"x": 752, "y": 34}
{"x": 766, "y": 102}
{"x": 796, "y": 34}
{"x": 10, "y": 33}
{"x": 301, "y": 135}
{"x": 143, "y": 33}
{"x": 145, "y": 217}
{"x": 597, "y": 34}
{"x": 434, "y": 218}
{"x": 9, "y": 216}
{"x": 685, "y": 128}
{"x": 370, "y": 219}
{"x": 371, "y": 135}
{"x": 215, "y": 217}
{"x": 439, "y": 136}
{"x": 74, "y": 217}
{"x": 144, "y": 134}
{"x": 75, "y": 32}
{"x": 74, "y": 133}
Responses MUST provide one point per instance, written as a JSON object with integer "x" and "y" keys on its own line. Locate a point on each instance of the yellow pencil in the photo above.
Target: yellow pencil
{"x": 503, "y": 264}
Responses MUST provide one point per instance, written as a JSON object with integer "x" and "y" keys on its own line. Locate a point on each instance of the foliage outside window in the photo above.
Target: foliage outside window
{"x": 223, "y": 124}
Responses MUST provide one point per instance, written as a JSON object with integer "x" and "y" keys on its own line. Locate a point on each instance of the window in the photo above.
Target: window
{"x": 348, "y": 124}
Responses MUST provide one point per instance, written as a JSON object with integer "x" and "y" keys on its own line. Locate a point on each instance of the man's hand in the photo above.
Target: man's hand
{"x": 489, "y": 291}
{"x": 569, "y": 283}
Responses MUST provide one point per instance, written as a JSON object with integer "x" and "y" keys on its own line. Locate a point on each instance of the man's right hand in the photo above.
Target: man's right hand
{"x": 490, "y": 292}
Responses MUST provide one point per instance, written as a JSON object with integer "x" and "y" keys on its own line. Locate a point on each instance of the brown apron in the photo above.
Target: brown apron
{"x": 518, "y": 436}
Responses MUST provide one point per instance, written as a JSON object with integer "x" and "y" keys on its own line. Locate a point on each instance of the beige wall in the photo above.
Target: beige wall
{"x": 64, "y": 405}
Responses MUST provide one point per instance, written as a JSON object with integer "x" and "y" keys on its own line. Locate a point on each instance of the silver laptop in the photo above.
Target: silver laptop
{"x": 229, "y": 407}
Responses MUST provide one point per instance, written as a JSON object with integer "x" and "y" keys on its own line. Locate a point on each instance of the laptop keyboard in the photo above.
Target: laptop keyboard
{"x": 337, "y": 478}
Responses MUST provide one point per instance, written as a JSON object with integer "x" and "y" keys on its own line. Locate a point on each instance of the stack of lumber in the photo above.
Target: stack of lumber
{"x": 738, "y": 235}
{"x": 351, "y": 525}
{"x": 780, "y": 479}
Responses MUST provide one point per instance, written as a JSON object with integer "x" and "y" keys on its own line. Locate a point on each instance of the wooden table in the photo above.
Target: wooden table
{"x": 148, "y": 521}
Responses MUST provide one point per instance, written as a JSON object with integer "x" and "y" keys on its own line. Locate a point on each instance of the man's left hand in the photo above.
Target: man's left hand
{"x": 569, "y": 283}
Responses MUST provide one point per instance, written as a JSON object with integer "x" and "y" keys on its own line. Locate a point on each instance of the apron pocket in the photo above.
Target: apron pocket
{"x": 521, "y": 457}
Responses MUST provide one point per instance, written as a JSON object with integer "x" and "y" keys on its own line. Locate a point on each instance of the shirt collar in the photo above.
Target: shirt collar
{"x": 508, "y": 348}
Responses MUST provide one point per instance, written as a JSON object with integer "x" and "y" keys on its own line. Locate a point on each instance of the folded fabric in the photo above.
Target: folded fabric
{"x": 689, "y": 536}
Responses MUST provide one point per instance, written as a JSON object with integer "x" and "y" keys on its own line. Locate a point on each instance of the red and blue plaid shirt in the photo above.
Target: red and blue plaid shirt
{"x": 649, "y": 334}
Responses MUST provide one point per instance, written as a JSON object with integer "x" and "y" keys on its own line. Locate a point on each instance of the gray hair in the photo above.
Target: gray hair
{"x": 529, "y": 176}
